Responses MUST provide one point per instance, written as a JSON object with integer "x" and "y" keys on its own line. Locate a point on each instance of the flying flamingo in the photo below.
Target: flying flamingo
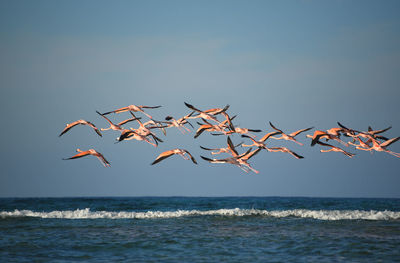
{"x": 179, "y": 123}
{"x": 90, "y": 152}
{"x": 239, "y": 160}
{"x": 220, "y": 150}
{"x": 181, "y": 152}
{"x": 115, "y": 127}
{"x": 285, "y": 150}
{"x": 379, "y": 147}
{"x": 83, "y": 122}
{"x": 133, "y": 108}
{"x": 260, "y": 143}
{"x": 145, "y": 131}
{"x": 289, "y": 137}
{"x": 335, "y": 149}
{"x": 208, "y": 114}
{"x": 131, "y": 134}
{"x": 321, "y": 135}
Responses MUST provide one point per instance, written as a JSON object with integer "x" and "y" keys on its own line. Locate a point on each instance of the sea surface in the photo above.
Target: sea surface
{"x": 199, "y": 229}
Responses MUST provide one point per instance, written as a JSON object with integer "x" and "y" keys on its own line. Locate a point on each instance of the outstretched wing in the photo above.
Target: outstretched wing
{"x": 78, "y": 155}
{"x": 149, "y": 107}
{"x": 163, "y": 156}
{"x": 273, "y": 127}
{"x": 293, "y": 134}
{"x": 192, "y": 107}
{"x": 266, "y": 136}
{"x": 191, "y": 157}
{"x": 231, "y": 147}
{"x": 94, "y": 128}
{"x": 69, "y": 126}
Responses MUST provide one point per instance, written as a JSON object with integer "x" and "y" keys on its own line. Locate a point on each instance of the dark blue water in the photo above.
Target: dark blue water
{"x": 181, "y": 229}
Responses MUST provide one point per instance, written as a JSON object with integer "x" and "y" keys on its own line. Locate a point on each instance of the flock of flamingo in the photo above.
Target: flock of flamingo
{"x": 370, "y": 140}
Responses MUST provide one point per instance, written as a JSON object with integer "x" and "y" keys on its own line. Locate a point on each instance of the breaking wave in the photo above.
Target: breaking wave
{"x": 301, "y": 213}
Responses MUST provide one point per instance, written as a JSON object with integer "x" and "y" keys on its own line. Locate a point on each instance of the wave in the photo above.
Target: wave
{"x": 300, "y": 213}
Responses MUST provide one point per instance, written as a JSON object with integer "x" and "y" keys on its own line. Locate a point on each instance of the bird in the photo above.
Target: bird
{"x": 221, "y": 127}
{"x": 220, "y": 150}
{"x": 153, "y": 124}
{"x": 348, "y": 132}
{"x": 115, "y": 127}
{"x": 361, "y": 145}
{"x": 179, "y": 123}
{"x": 318, "y": 134}
{"x": 285, "y": 150}
{"x": 83, "y": 122}
{"x": 228, "y": 124}
{"x": 240, "y": 161}
{"x": 260, "y": 143}
{"x": 335, "y": 149}
{"x": 181, "y": 152}
{"x": 90, "y": 152}
{"x": 131, "y": 134}
{"x": 145, "y": 131}
{"x": 241, "y": 131}
{"x": 289, "y": 137}
{"x": 379, "y": 147}
{"x": 208, "y": 114}
{"x": 133, "y": 108}
{"x": 374, "y": 134}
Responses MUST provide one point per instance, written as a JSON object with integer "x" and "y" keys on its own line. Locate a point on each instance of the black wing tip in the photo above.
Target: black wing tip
{"x": 190, "y": 124}
{"x": 205, "y": 158}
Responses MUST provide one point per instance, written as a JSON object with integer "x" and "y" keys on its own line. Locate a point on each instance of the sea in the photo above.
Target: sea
{"x": 199, "y": 229}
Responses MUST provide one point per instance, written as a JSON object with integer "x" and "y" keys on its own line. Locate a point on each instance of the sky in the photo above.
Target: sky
{"x": 298, "y": 64}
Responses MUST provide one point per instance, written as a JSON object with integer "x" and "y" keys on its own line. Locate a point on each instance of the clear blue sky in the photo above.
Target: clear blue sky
{"x": 294, "y": 63}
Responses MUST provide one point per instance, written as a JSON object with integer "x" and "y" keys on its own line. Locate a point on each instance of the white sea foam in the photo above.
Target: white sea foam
{"x": 301, "y": 213}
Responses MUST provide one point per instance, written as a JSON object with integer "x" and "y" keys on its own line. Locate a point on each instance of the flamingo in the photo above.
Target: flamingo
{"x": 241, "y": 131}
{"x": 209, "y": 114}
{"x": 239, "y": 160}
{"x": 145, "y": 131}
{"x": 285, "y": 150}
{"x": 374, "y": 134}
{"x": 348, "y": 132}
{"x": 321, "y": 134}
{"x": 379, "y": 147}
{"x": 211, "y": 127}
{"x": 220, "y": 150}
{"x": 172, "y": 122}
{"x": 289, "y": 137}
{"x": 83, "y": 122}
{"x": 115, "y": 127}
{"x": 335, "y": 149}
{"x": 181, "y": 152}
{"x": 133, "y": 108}
{"x": 260, "y": 143}
{"x": 156, "y": 124}
{"x": 90, "y": 152}
{"x": 131, "y": 134}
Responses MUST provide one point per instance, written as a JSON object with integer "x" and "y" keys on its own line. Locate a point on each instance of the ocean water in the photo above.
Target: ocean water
{"x": 199, "y": 229}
